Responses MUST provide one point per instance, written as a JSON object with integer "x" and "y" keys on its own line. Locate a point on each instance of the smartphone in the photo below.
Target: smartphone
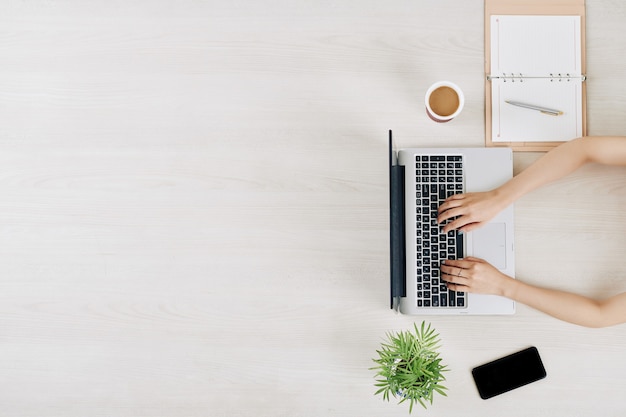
{"x": 507, "y": 373}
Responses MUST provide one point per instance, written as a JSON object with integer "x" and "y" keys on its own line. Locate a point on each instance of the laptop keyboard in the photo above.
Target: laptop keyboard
{"x": 437, "y": 178}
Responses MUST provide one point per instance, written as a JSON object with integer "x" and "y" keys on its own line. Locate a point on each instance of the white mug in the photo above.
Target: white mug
{"x": 444, "y": 101}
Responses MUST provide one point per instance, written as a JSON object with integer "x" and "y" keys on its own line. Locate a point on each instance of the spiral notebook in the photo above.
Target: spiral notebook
{"x": 535, "y": 62}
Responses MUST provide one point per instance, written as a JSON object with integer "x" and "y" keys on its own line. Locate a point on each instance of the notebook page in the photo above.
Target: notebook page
{"x": 536, "y": 60}
{"x": 516, "y": 124}
{"x": 535, "y": 45}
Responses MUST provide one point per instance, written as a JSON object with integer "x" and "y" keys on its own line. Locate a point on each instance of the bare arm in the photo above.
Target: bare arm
{"x": 476, "y": 275}
{"x": 474, "y": 209}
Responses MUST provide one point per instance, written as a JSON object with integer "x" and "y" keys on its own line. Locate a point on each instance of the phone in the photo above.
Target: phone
{"x": 507, "y": 373}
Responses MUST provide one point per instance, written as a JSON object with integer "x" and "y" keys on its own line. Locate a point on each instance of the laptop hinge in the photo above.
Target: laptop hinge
{"x": 397, "y": 230}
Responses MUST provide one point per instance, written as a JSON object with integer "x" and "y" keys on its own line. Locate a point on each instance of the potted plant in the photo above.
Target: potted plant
{"x": 409, "y": 367}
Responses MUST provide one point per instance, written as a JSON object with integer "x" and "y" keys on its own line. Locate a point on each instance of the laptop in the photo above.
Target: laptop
{"x": 420, "y": 179}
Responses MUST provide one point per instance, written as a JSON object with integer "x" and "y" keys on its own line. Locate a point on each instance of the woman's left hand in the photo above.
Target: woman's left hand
{"x": 474, "y": 275}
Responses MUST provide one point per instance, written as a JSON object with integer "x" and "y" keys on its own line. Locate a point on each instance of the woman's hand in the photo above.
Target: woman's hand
{"x": 470, "y": 210}
{"x": 475, "y": 275}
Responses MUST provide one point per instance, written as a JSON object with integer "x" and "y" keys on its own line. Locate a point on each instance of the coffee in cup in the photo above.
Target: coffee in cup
{"x": 444, "y": 101}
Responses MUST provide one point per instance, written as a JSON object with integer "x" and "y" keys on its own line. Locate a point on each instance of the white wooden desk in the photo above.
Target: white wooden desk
{"x": 193, "y": 209}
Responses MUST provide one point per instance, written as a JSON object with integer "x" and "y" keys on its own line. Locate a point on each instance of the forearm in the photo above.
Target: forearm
{"x": 555, "y": 164}
{"x": 565, "y": 306}
{"x": 478, "y": 276}
{"x": 561, "y": 161}
{"x": 469, "y": 211}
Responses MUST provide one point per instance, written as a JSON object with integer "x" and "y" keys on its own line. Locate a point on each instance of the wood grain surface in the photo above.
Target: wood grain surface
{"x": 194, "y": 209}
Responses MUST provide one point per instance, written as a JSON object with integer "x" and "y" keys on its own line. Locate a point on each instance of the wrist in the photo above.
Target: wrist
{"x": 510, "y": 288}
{"x": 503, "y": 197}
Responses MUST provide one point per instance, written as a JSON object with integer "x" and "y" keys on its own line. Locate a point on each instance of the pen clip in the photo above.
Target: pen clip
{"x": 551, "y": 113}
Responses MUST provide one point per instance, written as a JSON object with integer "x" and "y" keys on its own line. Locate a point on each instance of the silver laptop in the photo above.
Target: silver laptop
{"x": 420, "y": 180}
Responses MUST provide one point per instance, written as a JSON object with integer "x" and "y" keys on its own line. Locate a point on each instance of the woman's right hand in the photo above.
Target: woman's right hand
{"x": 470, "y": 211}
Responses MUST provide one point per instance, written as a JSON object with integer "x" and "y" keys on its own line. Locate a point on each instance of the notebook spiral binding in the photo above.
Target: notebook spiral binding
{"x": 519, "y": 77}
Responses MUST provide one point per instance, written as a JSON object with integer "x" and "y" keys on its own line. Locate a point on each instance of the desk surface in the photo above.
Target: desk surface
{"x": 194, "y": 209}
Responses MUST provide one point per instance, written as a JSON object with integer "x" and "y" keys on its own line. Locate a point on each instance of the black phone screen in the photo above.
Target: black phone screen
{"x": 507, "y": 373}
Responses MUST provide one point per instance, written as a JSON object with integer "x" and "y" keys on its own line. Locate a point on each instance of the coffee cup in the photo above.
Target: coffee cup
{"x": 444, "y": 101}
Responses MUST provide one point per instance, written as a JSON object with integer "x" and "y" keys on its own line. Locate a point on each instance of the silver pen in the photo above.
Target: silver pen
{"x": 545, "y": 110}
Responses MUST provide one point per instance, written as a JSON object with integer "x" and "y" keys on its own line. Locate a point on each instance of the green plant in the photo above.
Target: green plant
{"x": 409, "y": 367}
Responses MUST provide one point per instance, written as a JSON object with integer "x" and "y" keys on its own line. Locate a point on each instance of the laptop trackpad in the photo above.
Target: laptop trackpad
{"x": 489, "y": 243}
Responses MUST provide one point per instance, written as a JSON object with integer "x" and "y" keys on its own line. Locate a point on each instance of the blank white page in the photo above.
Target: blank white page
{"x": 535, "y": 45}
